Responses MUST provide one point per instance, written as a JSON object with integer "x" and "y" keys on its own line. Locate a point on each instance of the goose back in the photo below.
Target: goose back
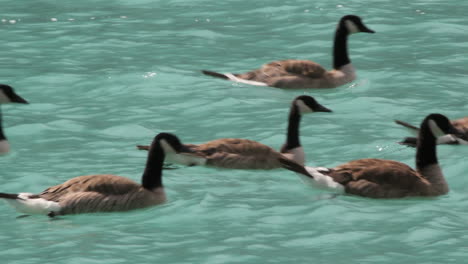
{"x": 284, "y": 68}
{"x": 101, "y": 193}
{"x": 378, "y": 178}
{"x": 237, "y": 154}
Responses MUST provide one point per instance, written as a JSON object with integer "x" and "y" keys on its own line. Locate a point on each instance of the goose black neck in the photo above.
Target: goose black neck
{"x": 2, "y": 136}
{"x": 292, "y": 137}
{"x": 426, "y": 153}
{"x": 340, "y": 48}
{"x": 152, "y": 177}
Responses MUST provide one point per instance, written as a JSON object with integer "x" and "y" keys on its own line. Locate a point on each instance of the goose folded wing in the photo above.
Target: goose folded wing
{"x": 306, "y": 68}
{"x": 102, "y": 184}
{"x": 235, "y": 146}
{"x": 375, "y": 177}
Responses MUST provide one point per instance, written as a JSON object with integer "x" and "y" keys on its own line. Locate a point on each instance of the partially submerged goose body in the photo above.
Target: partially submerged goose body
{"x": 103, "y": 192}
{"x": 235, "y": 153}
{"x": 303, "y": 73}
{"x": 378, "y": 178}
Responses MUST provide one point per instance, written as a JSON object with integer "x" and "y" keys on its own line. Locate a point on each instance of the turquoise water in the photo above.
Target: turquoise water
{"x": 103, "y": 76}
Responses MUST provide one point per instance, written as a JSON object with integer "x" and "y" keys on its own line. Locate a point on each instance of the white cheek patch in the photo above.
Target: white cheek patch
{"x": 435, "y": 129}
{"x": 303, "y": 108}
{"x": 4, "y": 147}
{"x": 352, "y": 28}
{"x": 184, "y": 159}
{"x": 3, "y": 98}
{"x": 167, "y": 147}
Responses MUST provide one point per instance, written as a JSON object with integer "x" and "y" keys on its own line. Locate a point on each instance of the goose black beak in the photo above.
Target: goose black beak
{"x": 18, "y": 99}
{"x": 367, "y": 30}
{"x": 322, "y": 108}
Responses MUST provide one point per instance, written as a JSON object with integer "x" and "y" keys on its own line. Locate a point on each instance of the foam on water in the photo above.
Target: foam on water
{"x": 103, "y": 77}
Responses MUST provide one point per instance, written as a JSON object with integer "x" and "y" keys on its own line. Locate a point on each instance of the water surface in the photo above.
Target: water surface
{"x": 104, "y": 76}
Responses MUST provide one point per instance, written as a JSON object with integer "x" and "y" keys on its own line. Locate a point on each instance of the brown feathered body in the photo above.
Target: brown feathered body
{"x": 231, "y": 153}
{"x": 283, "y": 68}
{"x": 462, "y": 125}
{"x": 299, "y": 74}
{"x": 101, "y": 193}
{"x": 378, "y": 178}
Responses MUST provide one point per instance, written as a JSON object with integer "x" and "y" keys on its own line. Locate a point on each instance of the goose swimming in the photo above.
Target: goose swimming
{"x": 303, "y": 73}
{"x": 235, "y": 153}
{"x": 102, "y": 192}
{"x": 379, "y": 178}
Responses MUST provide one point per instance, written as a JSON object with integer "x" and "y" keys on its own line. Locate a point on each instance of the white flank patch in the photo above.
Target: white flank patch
{"x": 4, "y": 146}
{"x": 3, "y": 98}
{"x": 462, "y": 141}
{"x": 296, "y": 154}
{"x": 239, "y": 80}
{"x": 303, "y": 108}
{"x": 320, "y": 180}
{"x": 435, "y": 129}
{"x": 27, "y": 205}
{"x": 352, "y": 28}
{"x": 186, "y": 159}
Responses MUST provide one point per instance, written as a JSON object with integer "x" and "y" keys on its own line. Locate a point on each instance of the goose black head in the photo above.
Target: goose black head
{"x": 170, "y": 143}
{"x": 353, "y": 24}
{"x": 439, "y": 125}
{"x": 308, "y": 104}
{"x": 8, "y": 95}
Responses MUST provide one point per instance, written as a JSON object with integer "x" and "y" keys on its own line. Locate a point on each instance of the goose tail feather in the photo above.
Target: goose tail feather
{"x": 215, "y": 74}
{"x": 142, "y": 147}
{"x": 29, "y": 203}
{"x": 411, "y": 128}
{"x": 293, "y": 166}
{"x": 12, "y": 196}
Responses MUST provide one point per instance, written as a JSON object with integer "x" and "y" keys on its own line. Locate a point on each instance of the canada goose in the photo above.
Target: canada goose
{"x": 460, "y": 124}
{"x": 304, "y": 73}
{"x": 238, "y": 153}
{"x": 378, "y": 178}
{"x": 102, "y": 193}
{"x": 7, "y": 95}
